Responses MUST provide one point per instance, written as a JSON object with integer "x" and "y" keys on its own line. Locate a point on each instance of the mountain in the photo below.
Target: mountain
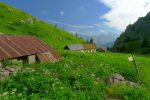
{"x": 133, "y": 37}
{"x": 104, "y": 40}
{"x": 14, "y": 21}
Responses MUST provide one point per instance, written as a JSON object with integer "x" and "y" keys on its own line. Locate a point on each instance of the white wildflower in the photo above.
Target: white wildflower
{"x": 5, "y": 93}
{"x": 93, "y": 75}
{"x": 14, "y": 90}
{"x": 62, "y": 88}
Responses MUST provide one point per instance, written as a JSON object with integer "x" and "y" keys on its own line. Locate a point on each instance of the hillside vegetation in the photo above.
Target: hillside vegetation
{"x": 133, "y": 37}
{"x": 14, "y": 21}
{"x": 78, "y": 76}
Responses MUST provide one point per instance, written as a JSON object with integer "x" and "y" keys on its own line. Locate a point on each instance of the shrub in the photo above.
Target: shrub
{"x": 7, "y": 63}
{"x": 126, "y": 93}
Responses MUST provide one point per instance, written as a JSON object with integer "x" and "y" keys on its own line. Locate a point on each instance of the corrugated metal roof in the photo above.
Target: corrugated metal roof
{"x": 89, "y": 46}
{"x": 13, "y": 46}
{"x": 75, "y": 47}
{"x": 47, "y": 57}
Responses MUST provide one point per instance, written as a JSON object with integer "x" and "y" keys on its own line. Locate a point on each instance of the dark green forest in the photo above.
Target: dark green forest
{"x": 136, "y": 37}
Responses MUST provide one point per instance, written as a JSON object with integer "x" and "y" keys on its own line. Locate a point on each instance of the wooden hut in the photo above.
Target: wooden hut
{"x": 89, "y": 47}
{"x": 81, "y": 47}
{"x": 27, "y": 49}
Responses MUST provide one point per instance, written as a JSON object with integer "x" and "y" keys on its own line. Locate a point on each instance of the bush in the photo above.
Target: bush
{"x": 145, "y": 50}
{"x": 126, "y": 93}
{"x": 7, "y": 63}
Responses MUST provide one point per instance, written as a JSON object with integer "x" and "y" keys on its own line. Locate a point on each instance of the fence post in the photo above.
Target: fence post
{"x": 136, "y": 67}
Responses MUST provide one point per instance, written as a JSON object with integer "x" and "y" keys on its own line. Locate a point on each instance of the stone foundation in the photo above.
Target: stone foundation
{"x": 31, "y": 59}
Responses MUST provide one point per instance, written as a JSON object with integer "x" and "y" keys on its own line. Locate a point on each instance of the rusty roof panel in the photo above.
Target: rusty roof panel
{"x": 3, "y": 54}
{"x": 8, "y": 49}
{"x": 89, "y": 46}
{"x": 52, "y": 57}
{"x": 16, "y": 48}
{"x": 13, "y": 46}
{"x": 43, "y": 57}
{"x": 55, "y": 55}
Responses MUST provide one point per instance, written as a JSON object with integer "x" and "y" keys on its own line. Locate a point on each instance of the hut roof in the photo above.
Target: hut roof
{"x": 75, "y": 47}
{"x": 89, "y": 46}
{"x": 13, "y": 46}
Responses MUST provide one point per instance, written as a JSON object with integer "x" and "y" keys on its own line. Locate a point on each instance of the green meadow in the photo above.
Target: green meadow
{"x": 78, "y": 76}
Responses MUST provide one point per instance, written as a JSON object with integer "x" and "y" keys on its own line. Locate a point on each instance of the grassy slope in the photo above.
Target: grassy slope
{"x": 10, "y": 19}
{"x": 79, "y": 76}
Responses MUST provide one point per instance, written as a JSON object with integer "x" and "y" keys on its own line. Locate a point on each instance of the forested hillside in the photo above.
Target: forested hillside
{"x": 136, "y": 37}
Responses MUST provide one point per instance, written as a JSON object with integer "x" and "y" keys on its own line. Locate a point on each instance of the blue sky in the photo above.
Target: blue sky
{"x": 89, "y": 17}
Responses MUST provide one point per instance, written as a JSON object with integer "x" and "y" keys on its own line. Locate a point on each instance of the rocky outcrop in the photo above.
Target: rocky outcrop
{"x": 22, "y": 22}
{"x": 30, "y": 20}
{"x": 117, "y": 79}
{"x": 8, "y": 71}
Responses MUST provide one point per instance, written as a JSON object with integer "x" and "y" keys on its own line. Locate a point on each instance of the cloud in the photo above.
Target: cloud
{"x": 103, "y": 31}
{"x": 81, "y": 26}
{"x": 124, "y": 12}
{"x": 44, "y": 12}
{"x": 62, "y": 13}
{"x": 73, "y": 31}
{"x": 55, "y": 22}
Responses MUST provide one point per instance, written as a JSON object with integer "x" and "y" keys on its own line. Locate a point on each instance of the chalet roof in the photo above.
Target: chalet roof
{"x": 102, "y": 49}
{"x": 89, "y": 46}
{"x": 13, "y": 46}
{"x": 75, "y": 47}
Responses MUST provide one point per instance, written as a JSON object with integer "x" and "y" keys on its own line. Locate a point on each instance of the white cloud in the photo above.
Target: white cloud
{"x": 44, "y": 12}
{"x": 55, "y": 22}
{"x": 125, "y": 12}
{"x": 103, "y": 31}
{"x": 73, "y": 31}
{"x": 61, "y": 13}
{"x": 81, "y": 26}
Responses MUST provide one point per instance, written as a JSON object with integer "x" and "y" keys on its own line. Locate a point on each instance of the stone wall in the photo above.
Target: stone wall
{"x": 31, "y": 59}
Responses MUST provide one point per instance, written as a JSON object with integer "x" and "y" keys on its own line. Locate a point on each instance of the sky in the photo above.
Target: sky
{"x": 87, "y": 17}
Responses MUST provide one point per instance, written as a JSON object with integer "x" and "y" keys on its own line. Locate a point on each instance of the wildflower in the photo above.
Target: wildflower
{"x": 46, "y": 91}
{"x": 33, "y": 79}
{"x": 62, "y": 88}
{"x": 5, "y": 93}
{"x": 107, "y": 64}
{"x": 77, "y": 68}
{"x": 20, "y": 94}
{"x": 53, "y": 85}
{"x": 32, "y": 70}
{"x": 93, "y": 75}
{"x": 101, "y": 64}
{"x": 14, "y": 90}
{"x": 12, "y": 93}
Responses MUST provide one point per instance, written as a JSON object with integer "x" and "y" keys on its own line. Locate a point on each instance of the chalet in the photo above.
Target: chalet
{"x": 75, "y": 47}
{"x": 27, "y": 49}
{"x": 102, "y": 49}
{"x": 89, "y": 47}
{"x": 81, "y": 47}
